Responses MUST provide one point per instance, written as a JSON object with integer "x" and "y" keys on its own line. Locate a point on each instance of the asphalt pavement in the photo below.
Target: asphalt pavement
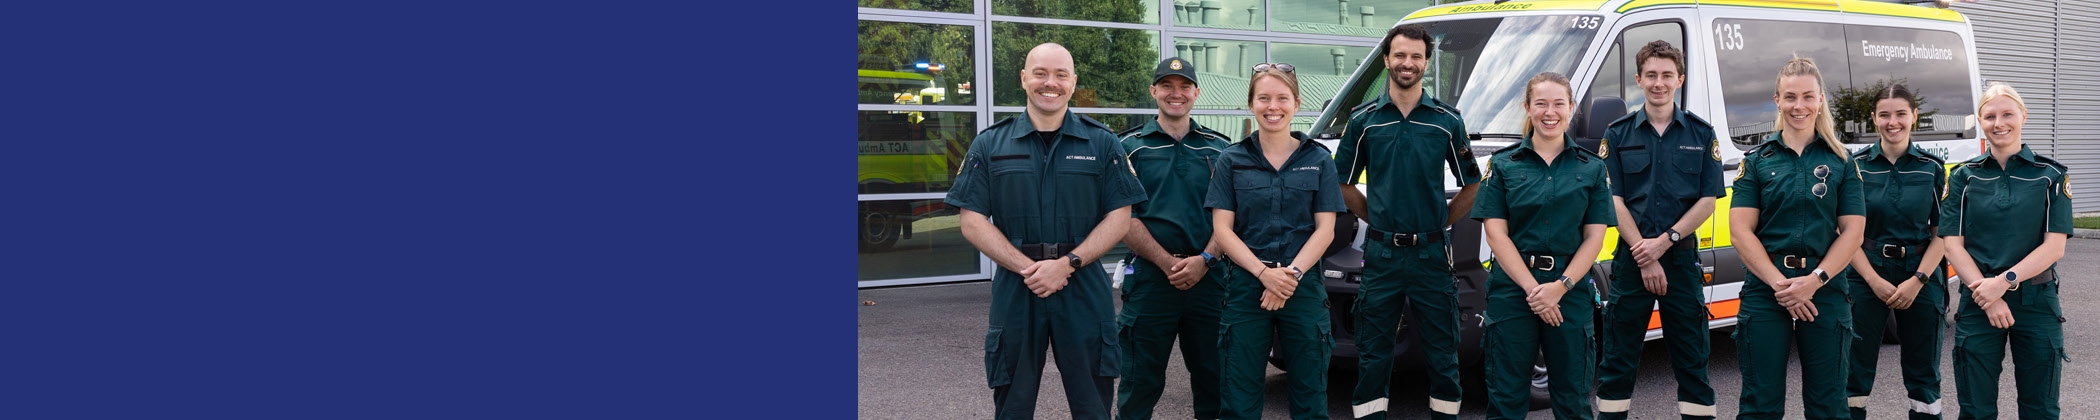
{"x": 922, "y": 357}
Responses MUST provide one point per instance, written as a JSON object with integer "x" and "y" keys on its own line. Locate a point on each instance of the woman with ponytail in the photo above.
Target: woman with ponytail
{"x": 1797, "y": 218}
{"x": 1898, "y": 268}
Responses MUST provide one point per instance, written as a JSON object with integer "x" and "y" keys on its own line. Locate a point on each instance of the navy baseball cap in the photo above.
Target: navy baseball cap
{"x": 1175, "y": 66}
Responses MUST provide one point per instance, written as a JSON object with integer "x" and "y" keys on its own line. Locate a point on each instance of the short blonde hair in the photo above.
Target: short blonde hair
{"x": 1997, "y": 89}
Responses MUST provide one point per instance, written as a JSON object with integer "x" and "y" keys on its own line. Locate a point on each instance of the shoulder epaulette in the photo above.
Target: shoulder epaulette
{"x": 1861, "y": 153}
{"x": 2040, "y": 160}
{"x": 1213, "y": 134}
{"x": 1097, "y": 124}
{"x": 1129, "y": 131}
{"x": 1936, "y": 159}
{"x": 1583, "y": 150}
{"x": 1510, "y": 148}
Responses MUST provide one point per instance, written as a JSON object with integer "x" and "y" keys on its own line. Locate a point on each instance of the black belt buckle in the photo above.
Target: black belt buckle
{"x": 1551, "y": 263}
{"x": 1892, "y": 251}
{"x": 1412, "y": 239}
{"x": 1793, "y": 261}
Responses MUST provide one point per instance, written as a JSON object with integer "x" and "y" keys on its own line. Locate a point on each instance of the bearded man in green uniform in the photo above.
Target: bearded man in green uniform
{"x": 1402, "y": 138}
{"x": 1061, "y": 193}
{"x": 1170, "y": 290}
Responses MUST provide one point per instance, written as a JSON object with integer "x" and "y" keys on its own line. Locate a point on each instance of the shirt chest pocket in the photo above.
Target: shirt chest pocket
{"x": 1690, "y": 161}
{"x": 1079, "y": 185}
{"x": 1633, "y": 160}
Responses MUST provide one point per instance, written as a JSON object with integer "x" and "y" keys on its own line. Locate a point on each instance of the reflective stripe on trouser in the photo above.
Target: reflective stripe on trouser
{"x": 1625, "y": 328}
{"x": 1919, "y": 329}
{"x": 1079, "y": 322}
{"x": 2037, "y": 341}
{"x": 1764, "y": 335}
{"x": 1514, "y": 337}
{"x": 1154, "y": 314}
{"x": 1418, "y": 279}
{"x": 1303, "y": 329}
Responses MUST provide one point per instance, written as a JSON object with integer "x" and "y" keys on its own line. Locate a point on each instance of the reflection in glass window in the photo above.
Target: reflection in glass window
{"x": 916, "y": 64}
{"x": 912, "y": 238}
{"x": 1322, "y": 69}
{"x": 1114, "y": 65}
{"x": 1933, "y": 64}
{"x": 1227, "y": 14}
{"x": 1122, "y": 11}
{"x": 912, "y": 151}
{"x": 1365, "y": 18}
{"x": 1222, "y": 68}
{"x": 953, "y": 6}
{"x": 1619, "y": 74}
{"x": 1750, "y": 54}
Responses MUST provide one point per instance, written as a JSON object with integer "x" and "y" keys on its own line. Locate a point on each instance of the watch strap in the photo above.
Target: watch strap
{"x": 1076, "y": 261}
{"x": 1822, "y": 275}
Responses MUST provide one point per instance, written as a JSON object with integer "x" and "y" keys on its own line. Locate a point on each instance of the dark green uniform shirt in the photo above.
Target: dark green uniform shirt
{"x": 1402, "y": 154}
{"x": 1798, "y": 197}
{"x": 1546, "y": 205}
{"x": 2002, "y": 212}
{"x": 1175, "y": 173}
{"x": 1039, "y": 191}
{"x": 1661, "y": 177}
{"x": 1903, "y": 198}
{"x": 1273, "y": 209}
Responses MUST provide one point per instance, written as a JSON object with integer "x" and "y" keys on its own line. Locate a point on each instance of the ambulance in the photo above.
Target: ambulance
{"x": 1486, "y": 50}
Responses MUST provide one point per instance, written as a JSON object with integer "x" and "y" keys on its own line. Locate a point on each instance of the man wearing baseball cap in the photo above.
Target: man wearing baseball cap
{"x": 1168, "y": 287}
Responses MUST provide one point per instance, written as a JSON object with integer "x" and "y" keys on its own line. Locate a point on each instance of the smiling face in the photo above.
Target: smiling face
{"x": 1894, "y": 118}
{"x": 1272, "y": 103}
{"x": 1404, "y": 60}
{"x": 1800, "y": 102}
{"x": 1549, "y": 108}
{"x": 2000, "y": 119}
{"x": 1175, "y": 96}
{"x": 1659, "y": 81}
{"x": 1048, "y": 78}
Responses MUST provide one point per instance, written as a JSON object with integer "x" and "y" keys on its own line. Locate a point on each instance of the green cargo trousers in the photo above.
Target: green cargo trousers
{"x": 1418, "y": 279}
{"x": 1247, "y": 332}
{"x": 1078, "y": 322}
{"x": 1154, "y": 314}
{"x": 1684, "y": 319}
{"x": 2037, "y": 341}
{"x": 1515, "y": 336}
{"x": 1919, "y": 328}
{"x": 1765, "y": 334}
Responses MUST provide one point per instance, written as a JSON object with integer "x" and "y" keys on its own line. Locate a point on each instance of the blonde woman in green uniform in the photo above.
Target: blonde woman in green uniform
{"x": 1273, "y": 201}
{"x": 1797, "y": 217}
{"x": 1545, "y": 203}
{"x": 1898, "y": 268}
{"x": 2007, "y": 214}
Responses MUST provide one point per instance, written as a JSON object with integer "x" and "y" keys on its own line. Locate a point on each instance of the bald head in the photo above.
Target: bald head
{"x": 1048, "y": 78}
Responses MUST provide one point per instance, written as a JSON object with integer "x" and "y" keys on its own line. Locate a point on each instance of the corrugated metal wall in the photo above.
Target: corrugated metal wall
{"x": 2051, "y": 53}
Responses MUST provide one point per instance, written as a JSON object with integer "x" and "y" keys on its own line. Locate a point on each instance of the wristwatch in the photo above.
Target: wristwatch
{"x": 1674, "y": 236}
{"x": 1920, "y": 276}
{"x": 2013, "y": 279}
{"x": 1567, "y": 283}
{"x": 1820, "y": 274}
{"x": 1207, "y": 258}
{"x": 1076, "y": 262}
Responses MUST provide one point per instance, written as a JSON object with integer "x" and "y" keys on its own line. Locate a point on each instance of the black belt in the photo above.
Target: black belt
{"x": 1545, "y": 262}
{"x": 1045, "y": 252}
{"x": 1795, "y": 261}
{"x": 1406, "y": 239}
{"x": 1890, "y": 251}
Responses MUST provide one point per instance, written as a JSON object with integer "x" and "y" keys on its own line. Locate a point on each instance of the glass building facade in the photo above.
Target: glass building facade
{"x": 934, "y": 72}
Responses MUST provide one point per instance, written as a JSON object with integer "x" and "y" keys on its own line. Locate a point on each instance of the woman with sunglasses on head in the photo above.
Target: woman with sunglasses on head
{"x": 2007, "y": 215}
{"x": 1544, "y": 203}
{"x": 1898, "y": 266}
{"x": 1797, "y": 218}
{"x": 1273, "y": 201}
